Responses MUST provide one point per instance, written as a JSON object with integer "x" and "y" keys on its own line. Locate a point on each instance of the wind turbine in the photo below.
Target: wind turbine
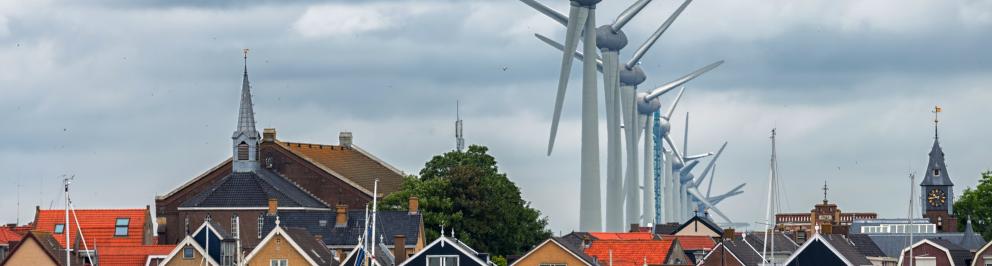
{"x": 609, "y": 39}
{"x": 581, "y": 23}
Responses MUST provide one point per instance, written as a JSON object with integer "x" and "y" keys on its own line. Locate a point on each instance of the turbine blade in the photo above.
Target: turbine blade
{"x": 678, "y": 97}
{"x": 628, "y": 14}
{"x": 654, "y": 36}
{"x": 560, "y": 47}
{"x": 547, "y": 11}
{"x": 678, "y": 82}
{"x": 698, "y": 156}
{"x": 709, "y": 166}
{"x": 688, "y": 168}
{"x": 695, "y": 193}
{"x": 709, "y": 188}
{"x": 574, "y": 27}
{"x": 671, "y": 144}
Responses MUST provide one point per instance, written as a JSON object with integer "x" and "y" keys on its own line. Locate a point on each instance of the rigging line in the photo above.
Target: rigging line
{"x": 79, "y": 230}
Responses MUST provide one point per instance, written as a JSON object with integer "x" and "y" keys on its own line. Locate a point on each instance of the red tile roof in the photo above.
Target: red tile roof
{"x": 622, "y": 236}
{"x": 129, "y": 256}
{"x": 696, "y": 242}
{"x": 630, "y": 252}
{"x": 97, "y": 225}
{"x": 7, "y": 235}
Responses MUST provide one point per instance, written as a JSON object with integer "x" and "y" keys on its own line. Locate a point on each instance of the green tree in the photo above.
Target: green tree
{"x": 977, "y": 204}
{"x": 465, "y": 192}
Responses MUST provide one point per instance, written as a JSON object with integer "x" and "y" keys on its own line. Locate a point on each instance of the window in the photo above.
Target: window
{"x": 208, "y": 218}
{"x": 235, "y": 227}
{"x": 120, "y": 228}
{"x": 323, "y": 223}
{"x": 926, "y": 261}
{"x": 936, "y": 171}
{"x": 988, "y": 260}
{"x": 188, "y": 252}
{"x": 186, "y": 225}
{"x": 243, "y": 151}
{"x": 278, "y": 262}
{"x": 447, "y": 260}
{"x": 261, "y": 221}
{"x": 59, "y": 228}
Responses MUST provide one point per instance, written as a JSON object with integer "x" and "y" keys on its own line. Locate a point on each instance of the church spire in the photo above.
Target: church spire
{"x": 936, "y": 112}
{"x": 245, "y": 138}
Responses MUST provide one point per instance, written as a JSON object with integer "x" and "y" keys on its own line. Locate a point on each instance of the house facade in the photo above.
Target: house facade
{"x": 290, "y": 246}
{"x": 448, "y": 251}
{"x": 300, "y": 176}
{"x": 556, "y": 251}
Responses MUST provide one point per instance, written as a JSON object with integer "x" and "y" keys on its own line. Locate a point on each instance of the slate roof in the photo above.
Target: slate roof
{"x": 783, "y": 244}
{"x": 847, "y": 249}
{"x": 970, "y": 239}
{"x": 353, "y": 163}
{"x": 865, "y": 245}
{"x": 315, "y": 249}
{"x": 958, "y": 254}
{"x": 893, "y": 244}
{"x": 740, "y": 249}
{"x": 936, "y": 161}
{"x": 575, "y": 246}
{"x": 253, "y": 189}
{"x": 666, "y": 229}
{"x": 97, "y": 224}
{"x": 390, "y": 223}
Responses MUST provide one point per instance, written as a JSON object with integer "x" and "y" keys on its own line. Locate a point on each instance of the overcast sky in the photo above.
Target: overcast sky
{"x": 134, "y": 99}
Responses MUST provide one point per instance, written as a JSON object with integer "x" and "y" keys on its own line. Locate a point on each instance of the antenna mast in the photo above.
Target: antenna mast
{"x": 66, "y": 180}
{"x": 459, "y": 138}
{"x": 912, "y": 194}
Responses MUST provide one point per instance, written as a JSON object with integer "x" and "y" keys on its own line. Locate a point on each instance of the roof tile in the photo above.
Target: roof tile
{"x": 630, "y": 252}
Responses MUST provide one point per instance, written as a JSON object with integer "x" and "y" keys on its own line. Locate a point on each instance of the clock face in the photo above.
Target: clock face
{"x": 936, "y": 197}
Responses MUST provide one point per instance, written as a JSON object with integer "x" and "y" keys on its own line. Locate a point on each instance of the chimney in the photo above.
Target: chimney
{"x": 273, "y": 206}
{"x": 342, "y": 217}
{"x": 344, "y": 139}
{"x": 728, "y": 234}
{"x": 399, "y": 249}
{"x": 635, "y": 228}
{"x": 414, "y": 205}
{"x": 269, "y": 135}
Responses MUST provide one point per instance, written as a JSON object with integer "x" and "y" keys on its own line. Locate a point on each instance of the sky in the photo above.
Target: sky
{"x": 135, "y": 98}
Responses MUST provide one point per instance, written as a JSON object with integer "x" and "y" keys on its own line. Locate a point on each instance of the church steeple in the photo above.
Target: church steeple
{"x": 245, "y": 138}
{"x": 937, "y": 190}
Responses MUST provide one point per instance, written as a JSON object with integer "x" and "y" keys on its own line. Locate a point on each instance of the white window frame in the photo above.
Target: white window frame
{"x": 442, "y": 257}
{"x": 279, "y": 262}
{"x": 927, "y": 260}
{"x": 192, "y": 252}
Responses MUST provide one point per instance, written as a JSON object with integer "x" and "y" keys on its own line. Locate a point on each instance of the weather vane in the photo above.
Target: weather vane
{"x": 936, "y": 111}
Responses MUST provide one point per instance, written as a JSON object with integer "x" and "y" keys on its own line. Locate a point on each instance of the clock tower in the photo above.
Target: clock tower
{"x": 937, "y": 190}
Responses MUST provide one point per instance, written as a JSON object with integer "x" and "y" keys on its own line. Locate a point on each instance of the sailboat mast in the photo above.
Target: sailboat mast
{"x": 771, "y": 192}
{"x": 65, "y": 226}
{"x": 375, "y": 192}
{"x": 912, "y": 194}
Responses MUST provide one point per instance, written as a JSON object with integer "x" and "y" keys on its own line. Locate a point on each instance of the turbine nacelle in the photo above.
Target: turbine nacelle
{"x": 632, "y": 76}
{"x": 609, "y": 39}
{"x": 645, "y": 105}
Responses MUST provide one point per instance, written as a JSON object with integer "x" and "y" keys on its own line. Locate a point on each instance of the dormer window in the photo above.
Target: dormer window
{"x": 120, "y": 227}
{"x": 936, "y": 171}
{"x": 243, "y": 151}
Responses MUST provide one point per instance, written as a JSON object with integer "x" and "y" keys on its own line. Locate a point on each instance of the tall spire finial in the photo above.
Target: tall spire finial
{"x": 825, "y": 191}
{"x": 245, "y": 137}
{"x": 936, "y": 112}
{"x": 245, "y": 51}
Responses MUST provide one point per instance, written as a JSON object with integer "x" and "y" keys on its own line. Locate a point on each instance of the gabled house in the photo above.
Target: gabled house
{"x": 218, "y": 244}
{"x": 382, "y": 257}
{"x": 557, "y": 251}
{"x": 341, "y": 228}
{"x": 8, "y": 238}
{"x": 111, "y": 234}
{"x": 827, "y": 250}
{"x": 936, "y": 252}
{"x": 983, "y": 257}
{"x": 290, "y": 246}
{"x": 41, "y": 249}
{"x": 732, "y": 252}
{"x": 188, "y": 252}
{"x": 301, "y": 176}
{"x": 695, "y": 247}
{"x": 699, "y": 226}
{"x": 448, "y": 251}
